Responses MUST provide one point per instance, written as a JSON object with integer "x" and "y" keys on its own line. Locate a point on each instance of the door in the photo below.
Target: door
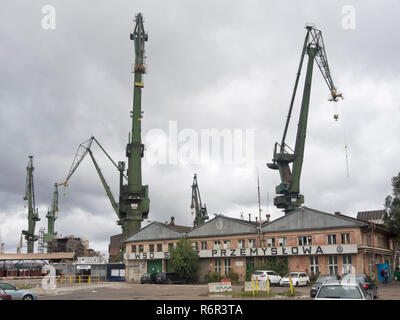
{"x": 154, "y": 266}
{"x": 249, "y": 268}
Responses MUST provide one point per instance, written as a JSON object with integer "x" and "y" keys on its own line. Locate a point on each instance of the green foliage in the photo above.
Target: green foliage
{"x": 392, "y": 204}
{"x": 213, "y": 277}
{"x": 277, "y": 264}
{"x": 184, "y": 260}
{"x": 233, "y": 276}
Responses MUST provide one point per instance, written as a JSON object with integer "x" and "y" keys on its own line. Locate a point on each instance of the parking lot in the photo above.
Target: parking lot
{"x": 134, "y": 291}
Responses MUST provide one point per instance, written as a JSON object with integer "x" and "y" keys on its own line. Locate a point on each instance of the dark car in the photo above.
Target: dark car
{"x": 4, "y": 295}
{"x": 168, "y": 277}
{"x": 321, "y": 279}
{"x": 148, "y": 278}
{"x": 365, "y": 281}
{"x": 340, "y": 290}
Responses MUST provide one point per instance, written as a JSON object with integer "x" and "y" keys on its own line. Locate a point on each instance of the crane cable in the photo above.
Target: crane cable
{"x": 345, "y": 146}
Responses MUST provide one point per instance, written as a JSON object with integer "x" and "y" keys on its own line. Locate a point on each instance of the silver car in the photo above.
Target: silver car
{"x": 17, "y": 294}
{"x": 338, "y": 290}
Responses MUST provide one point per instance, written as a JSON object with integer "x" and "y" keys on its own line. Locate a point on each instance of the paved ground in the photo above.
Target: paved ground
{"x": 132, "y": 291}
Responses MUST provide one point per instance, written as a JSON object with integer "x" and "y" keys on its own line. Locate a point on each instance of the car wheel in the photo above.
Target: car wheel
{"x": 307, "y": 283}
{"x": 376, "y": 296}
{"x": 297, "y": 284}
{"x": 27, "y": 297}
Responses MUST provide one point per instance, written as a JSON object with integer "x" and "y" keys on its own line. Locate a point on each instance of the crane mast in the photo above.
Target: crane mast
{"x": 33, "y": 215}
{"x": 200, "y": 211}
{"x": 134, "y": 200}
{"x": 288, "y": 190}
{"x": 51, "y": 218}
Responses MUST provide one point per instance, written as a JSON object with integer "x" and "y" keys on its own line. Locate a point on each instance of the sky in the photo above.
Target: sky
{"x": 213, "y": 67}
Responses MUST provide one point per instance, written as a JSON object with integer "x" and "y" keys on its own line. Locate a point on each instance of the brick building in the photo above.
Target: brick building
{"x": 313, "y": 241}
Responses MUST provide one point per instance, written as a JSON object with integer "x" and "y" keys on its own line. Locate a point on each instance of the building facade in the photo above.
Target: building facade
{"x": 311, "y": 240}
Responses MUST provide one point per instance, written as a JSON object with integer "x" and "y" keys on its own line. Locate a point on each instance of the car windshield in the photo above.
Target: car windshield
{"x": 321, "y": 279}
{"x": 292, "y": 274}
{"x": 339, "y": 292}
{"x": 258, "y": 273}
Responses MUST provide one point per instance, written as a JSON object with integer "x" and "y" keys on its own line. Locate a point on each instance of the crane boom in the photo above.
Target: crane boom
{"x": 200, "y": 211}
{"x": 289, "y": 188}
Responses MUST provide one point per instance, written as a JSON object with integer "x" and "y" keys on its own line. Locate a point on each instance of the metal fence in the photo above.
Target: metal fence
{"x": 69, "y": 279}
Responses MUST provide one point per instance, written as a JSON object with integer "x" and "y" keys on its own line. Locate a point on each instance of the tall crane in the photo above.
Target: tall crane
{"x": 288, "y": 190}
{"x": 51, "y": 218}
{"x": 33, "y": 215}
{"x": 197, "y": 207}
{"x": 134, "y": 202}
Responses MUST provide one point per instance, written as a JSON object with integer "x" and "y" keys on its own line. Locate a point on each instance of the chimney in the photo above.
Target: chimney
{"x": 250, "y": 217}
{"x": 256, "y": 219}
{"x": 268, "y": 216}
{"x": 337, "y": 213}
{"x": 172, "y": 223}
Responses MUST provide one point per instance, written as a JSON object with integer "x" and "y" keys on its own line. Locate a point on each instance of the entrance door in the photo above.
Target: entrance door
{"x": 249, "y": 268}
{"x": 154, "y": 266}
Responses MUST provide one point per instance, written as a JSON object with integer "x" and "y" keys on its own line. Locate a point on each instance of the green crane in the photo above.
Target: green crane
{"x": 33, "y": 215}
{"x": 51, "y": 218}
{"x": 134, "y": 199}
{"x": 288, "y": 190}
{"x": 133, "y": 206}
{"x": 197, "y": 207}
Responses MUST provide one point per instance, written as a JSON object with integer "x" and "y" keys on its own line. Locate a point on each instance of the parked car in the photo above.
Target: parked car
{"x": 4, "y": 295}
{"x": 263, "y": 275}
{"x": 365, "y": 281}
{"x": 342, "y": 290}
{"x": 168, "y": 277}
{"x": 17, "y": 294}
{"x": 148, "y": 278}
{"x": 298, "y": 279}
{"x": 320, "y": 280}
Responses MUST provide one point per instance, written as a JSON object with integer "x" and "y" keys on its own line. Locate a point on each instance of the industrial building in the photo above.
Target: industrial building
{"x": 313, "y": 241}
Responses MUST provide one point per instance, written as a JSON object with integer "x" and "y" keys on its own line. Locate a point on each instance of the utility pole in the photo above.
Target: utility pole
{"x": 134, "y": 200}
{"x": 33, "y": 215}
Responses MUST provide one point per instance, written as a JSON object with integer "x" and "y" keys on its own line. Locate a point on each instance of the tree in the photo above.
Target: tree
{"x": 184, "y": 260}
{"x": 391, "y": 217}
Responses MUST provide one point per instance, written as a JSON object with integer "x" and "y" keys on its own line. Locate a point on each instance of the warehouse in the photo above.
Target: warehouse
{"x": 313, "y": 241}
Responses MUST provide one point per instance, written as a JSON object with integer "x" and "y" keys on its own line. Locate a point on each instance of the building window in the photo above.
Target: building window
{"x": 227, "y": 244}
{"x": 331, "y": 238}
{"x": 170, "y": 246}
{"x": 140, "y": 248}
{"x": 217, "y": 244}
{"x": 271, "y": 242}
{"x": 314, "y": 266}
{"x": 133, "y": 248}
{"x": 252, "y": 243}
{"x": 227, "y": 266}
{"x": 304, "y": 241}
{"x": 282, "y": 242}
{"x": 369, "y": 264}
{"x": 347, "y": 265}
{"x": 159, "y": 247}
{"x": 204, "y": 245}
{"x": 333, "y": 265}
{"x": 151, "y": 248}
{"x": 240, "y": 243}
{"x": 369, "y": 239}
{"x": 381, "y": 243}
{"x": 345, "y": 238}
{"x": 195, "y": 246}
{"x": 217, "y": 266}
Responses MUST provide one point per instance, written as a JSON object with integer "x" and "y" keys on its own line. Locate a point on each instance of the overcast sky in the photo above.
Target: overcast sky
{"x": 211, "y": 65}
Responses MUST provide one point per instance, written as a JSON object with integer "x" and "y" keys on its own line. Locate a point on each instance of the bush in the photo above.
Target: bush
{"x": 233, "y": 276}
{"x": 184, "y": 260}
{"x": 213, "y": 277}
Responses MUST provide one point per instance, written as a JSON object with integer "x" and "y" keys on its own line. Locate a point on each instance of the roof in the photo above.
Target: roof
{"x": 371, "y": 215}
{"x": 306, "y": 218}
{"x": 222, "y": 225}
{"x": 158, "y": 231}
{"x": 37, "y": 256}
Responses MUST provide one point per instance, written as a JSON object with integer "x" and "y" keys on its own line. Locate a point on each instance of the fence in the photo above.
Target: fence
{"x": 69, "y": 279}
